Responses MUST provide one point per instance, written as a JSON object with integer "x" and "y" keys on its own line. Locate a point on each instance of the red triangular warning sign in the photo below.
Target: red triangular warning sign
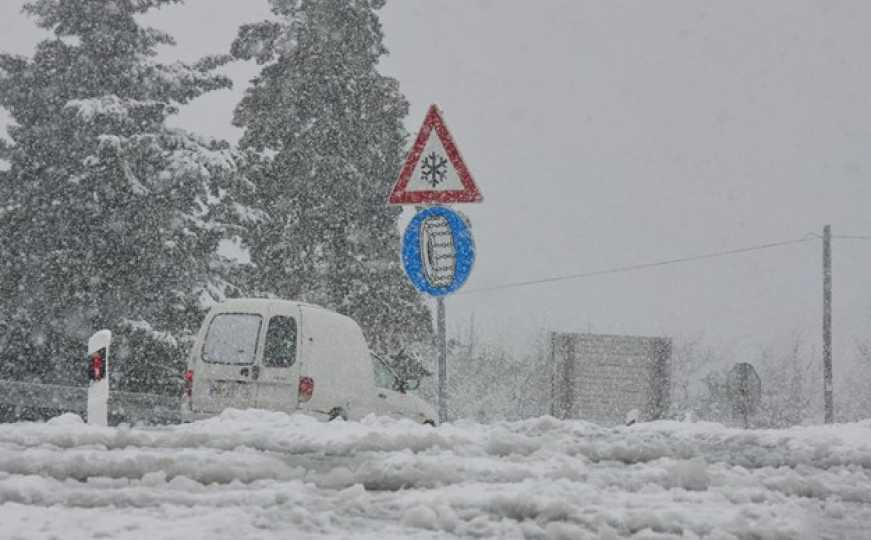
{"x": 434, "y": 171}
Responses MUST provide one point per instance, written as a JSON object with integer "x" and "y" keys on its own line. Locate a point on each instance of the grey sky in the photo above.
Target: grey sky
{"x": 605, "y": 134}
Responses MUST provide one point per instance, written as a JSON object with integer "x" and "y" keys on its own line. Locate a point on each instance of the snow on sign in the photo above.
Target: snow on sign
{"x": 434, "y": 171}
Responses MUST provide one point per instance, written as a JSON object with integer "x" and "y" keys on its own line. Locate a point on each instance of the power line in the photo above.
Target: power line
{"x": 621, "y": 269}
{"x": 843, "y": 236}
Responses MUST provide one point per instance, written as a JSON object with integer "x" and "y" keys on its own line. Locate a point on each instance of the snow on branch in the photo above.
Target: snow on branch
{"x": 208, "y": 63}
{"x": 112, "y": 105}
{"x": 45, "y": 11}
{"x": 141, "y": 6}
{"x": 90, "y": 108}
{"x": 216, "y": 290}
{"x": 182, "y": 82}
{"x": 286, "y": 7}
{"x": 153, "y": 36}
{"x": 10, "y": 63}
{"x": 193, "y": 155}
{"x": 248, "y": 214}
{"x": 261, "y": 41}
{"x": 143, "y": 326}
{"x": 5, "y": 151}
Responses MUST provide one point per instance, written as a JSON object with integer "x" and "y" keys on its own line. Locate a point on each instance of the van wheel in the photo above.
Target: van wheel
{"x": 429, "y": 423}
{"x": 337, "y": 412}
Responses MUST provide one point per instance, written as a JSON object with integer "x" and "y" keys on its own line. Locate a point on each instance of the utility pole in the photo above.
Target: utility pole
{"x": 553, "y": 370}
{"x": 443, "y": 360}
{"x": 827, "y": 324}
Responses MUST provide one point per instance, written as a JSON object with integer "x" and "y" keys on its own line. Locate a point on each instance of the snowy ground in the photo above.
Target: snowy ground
{"x": 256, "y": 474}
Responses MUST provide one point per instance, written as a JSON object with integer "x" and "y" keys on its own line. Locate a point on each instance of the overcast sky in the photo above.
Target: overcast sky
{"x": 605, "y": 134}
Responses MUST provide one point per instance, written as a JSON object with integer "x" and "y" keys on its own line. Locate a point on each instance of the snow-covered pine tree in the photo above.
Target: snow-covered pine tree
{"x": 109, "y": 218}
{"x": 328, "y": 128}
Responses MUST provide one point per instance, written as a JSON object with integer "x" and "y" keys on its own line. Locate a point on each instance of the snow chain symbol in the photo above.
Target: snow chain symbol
{"x": 434, "y": 169}
{"x": 437, "y": 251}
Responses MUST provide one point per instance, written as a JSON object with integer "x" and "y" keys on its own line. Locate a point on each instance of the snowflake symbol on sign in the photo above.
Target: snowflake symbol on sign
{"x": 434, "y": 169}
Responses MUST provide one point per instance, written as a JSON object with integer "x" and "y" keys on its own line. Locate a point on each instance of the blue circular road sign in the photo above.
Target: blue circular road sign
{"x": 438, "y": 251}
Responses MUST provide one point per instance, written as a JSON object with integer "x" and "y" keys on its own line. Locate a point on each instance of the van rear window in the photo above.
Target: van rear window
{"x": 232, "y": 339}
{"x": 280, "y": 347}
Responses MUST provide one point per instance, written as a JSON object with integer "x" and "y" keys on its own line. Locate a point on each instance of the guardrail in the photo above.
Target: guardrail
{"x": 130, "y": 407}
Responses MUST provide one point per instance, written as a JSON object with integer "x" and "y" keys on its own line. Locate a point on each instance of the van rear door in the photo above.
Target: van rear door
{"x": 227, "y": 363}
{"x": 278, "y": 377}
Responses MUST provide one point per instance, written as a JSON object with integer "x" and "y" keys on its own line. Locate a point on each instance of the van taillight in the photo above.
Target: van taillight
{"x": 306, "y": 388}
{"x": 188, "y": 383}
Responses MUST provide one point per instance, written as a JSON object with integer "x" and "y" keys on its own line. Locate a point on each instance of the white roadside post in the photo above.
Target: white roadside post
{"x": 437, "y": 248}
{"x": 98, "y": 375}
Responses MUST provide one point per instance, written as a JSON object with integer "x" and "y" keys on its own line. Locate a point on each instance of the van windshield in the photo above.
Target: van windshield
{"x": 232, "y": 339}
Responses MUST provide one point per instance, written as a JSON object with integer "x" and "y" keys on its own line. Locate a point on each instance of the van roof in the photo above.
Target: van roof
{"x": 239, "y": 302}
{"x": 260, "y": 303}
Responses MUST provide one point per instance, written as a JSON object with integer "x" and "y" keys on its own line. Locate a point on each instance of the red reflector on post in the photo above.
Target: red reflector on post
{"x": 95, "y": 371}
{"x": 306, "y": 388}
{"x": 188, "y": 382}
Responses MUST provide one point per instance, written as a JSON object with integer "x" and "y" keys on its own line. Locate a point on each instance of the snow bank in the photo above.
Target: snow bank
{"x": 270, "y": 475}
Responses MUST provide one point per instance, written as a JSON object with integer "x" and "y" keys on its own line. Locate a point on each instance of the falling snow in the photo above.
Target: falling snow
{"x": 112, "y": 216}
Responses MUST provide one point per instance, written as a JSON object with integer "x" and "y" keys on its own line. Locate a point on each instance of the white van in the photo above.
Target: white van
{"x": 290, "y": 356}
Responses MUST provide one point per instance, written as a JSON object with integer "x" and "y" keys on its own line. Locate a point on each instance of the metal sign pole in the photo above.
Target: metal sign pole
{"x": 443, "y": 360}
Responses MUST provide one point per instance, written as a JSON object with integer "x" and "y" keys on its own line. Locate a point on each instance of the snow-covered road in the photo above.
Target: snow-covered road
{"x": 257, "y": 474}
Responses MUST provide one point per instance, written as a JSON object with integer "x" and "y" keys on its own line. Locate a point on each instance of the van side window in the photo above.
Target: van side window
{"x": 232, "y": 339}
{"x": 280, "y": 349}
{"x": 384, "y": 378}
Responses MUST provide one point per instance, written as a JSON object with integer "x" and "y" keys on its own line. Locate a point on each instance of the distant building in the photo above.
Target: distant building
{"x": 601, "y": 378}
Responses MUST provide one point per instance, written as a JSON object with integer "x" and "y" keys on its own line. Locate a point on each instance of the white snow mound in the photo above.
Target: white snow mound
{"x": 263, "y": 474}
